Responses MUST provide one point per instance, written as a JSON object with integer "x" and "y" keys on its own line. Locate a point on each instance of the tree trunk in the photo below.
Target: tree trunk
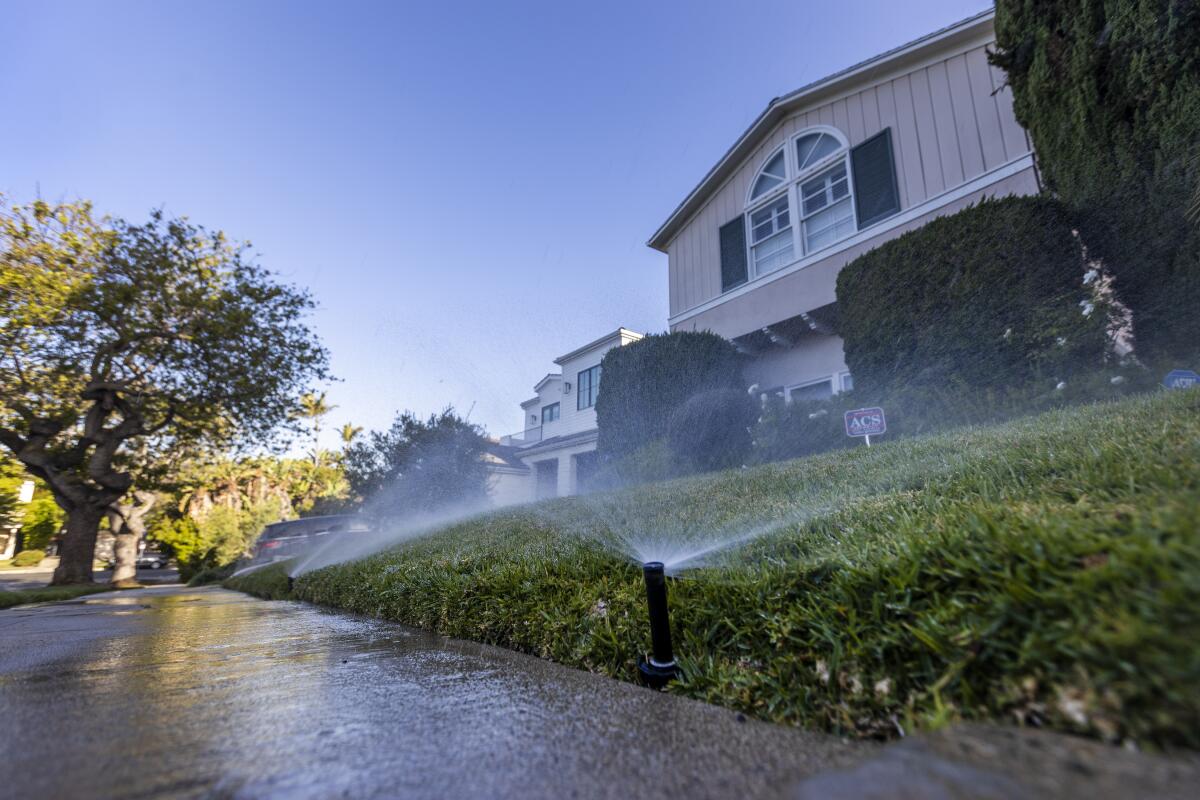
{"x": 128, "y": 523}
{"x": 78, "y": 548}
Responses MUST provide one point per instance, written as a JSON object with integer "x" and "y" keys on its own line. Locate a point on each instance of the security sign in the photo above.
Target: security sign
{"x": 1181, "y": 379}
{"x": 865, "y": 422}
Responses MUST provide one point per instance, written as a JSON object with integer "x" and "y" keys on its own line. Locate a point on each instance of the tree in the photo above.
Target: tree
{"x": 349, "y": 433}
{"x": 113, "y": 333}
{"x": 314, "y": 407}
{"x": 420, "y": 466}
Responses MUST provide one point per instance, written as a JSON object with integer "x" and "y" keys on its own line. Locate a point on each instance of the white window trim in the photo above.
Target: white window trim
{"x": 791, "y": 188}
{"x": 929, "y": 206}
{"x": 832, "y": 380}
{"x": 841, "y": 382}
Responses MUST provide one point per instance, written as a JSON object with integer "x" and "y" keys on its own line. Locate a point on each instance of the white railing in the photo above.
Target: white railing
{"x": 524, "y": 438}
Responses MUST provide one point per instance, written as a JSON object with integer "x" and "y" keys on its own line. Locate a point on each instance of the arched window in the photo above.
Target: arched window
{"x": 773, "y": 174}
{"x": 826, "y": 205}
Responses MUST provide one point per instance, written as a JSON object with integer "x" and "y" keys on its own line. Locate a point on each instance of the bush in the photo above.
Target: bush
{"x": 644, "y": 382}
{"x": 42, "y": 520}
{"x": 1109, "y": 91}
{"x": 711, "y": 430}
{"x": 211, "y": 575}
{"x": 651, "y": 462}
{"x": 801, "y": 428}
{"x": 28, "y": 558}
{"x": 992, "y": 296}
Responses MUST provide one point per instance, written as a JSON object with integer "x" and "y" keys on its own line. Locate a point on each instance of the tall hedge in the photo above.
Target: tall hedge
{"x": 1109, "y": 91}
{"x": 991, "y": 296}
{"x": 644, "y": 382}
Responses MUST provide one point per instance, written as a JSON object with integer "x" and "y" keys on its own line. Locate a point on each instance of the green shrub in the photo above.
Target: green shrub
{"x": 711, "y": 430}
{"x": 42, "y": 520}
{"x": 28, "y": 558}
{"x": 208, "y": 575}
{"x": 1109, "y": 91}
{"x": 991, "y": 296}
{"x": 800, "y": 428}
{"x": 651, "y": 462}
{"x": 644, "y": 382}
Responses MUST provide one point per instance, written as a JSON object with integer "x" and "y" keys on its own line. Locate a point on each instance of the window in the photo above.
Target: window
{"x": 847, "y": 382}
{"x": 772, "y": 175}
{"x": 826, "y": 208}
{"x": 813, "y": 148}
{"x": 814, "y": 390}
{"x": 771, "y": 236}
{"x": 588, "y": 388}
{"x": 549, "y": 413}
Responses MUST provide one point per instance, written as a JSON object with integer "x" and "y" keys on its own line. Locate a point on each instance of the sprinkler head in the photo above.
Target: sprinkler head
{"x": 291, "y": 583}
{"x": 658, "y": 670}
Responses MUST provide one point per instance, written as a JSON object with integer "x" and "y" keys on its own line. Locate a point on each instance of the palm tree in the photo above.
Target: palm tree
{"x": 350, "y": 432}
{"x": 314, "y": 407}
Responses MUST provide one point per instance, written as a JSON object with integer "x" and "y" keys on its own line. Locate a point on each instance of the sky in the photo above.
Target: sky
{"x": 466, "y": 189}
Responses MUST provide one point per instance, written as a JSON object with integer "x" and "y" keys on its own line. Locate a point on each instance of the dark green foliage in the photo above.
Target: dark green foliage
{"x": 28, "y": 558}
{"x": 987, "y": 297}
{"x": 644, "y": 382}
{"x": 801, "y": 428}
{"x": 711, "y": 430}
{"x": 209, "y": 575}
{"x": 1045, "y": 571}
{"x": 1109, "y": 91}
{"x": 419, "y": 466}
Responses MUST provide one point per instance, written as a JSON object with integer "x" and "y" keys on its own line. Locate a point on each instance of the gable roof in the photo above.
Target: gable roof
{"x": 779, "y": 107}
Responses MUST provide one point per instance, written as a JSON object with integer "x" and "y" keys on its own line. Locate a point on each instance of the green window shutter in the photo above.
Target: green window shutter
{"x": 876, "y": 196}
{"x": 733, "y": 253}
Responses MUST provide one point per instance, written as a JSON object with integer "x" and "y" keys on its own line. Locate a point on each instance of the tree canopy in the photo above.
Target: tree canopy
{"x": 112, "y": 332}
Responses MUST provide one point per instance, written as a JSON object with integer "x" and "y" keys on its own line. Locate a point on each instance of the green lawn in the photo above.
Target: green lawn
{"x": 1045, "y": 571}
{"x": 49, "y": 594}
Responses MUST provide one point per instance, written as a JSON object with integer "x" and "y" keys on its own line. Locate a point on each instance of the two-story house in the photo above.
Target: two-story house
{"x": 826, "y": 173}
{"x": 554, "y": 455}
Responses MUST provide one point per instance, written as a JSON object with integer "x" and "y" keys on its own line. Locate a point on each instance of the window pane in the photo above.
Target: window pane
{"x": 814, "y": 147}
{"x": 774, "y": 252}
{"x": 814, "y": 391}
{"x": 829, "y": 226}
{"x": 773, "y": 174}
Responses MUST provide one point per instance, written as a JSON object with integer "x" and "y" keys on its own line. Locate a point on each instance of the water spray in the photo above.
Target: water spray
{"x": 660, "y": 668}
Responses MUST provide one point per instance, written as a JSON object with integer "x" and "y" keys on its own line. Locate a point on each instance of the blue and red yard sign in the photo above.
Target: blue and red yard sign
{"x": 866, "y": 422}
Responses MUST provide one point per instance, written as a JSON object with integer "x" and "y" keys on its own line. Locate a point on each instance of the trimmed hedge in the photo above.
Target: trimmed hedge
{"x": 991, "y": 296}
{"x": 711, "y": 430}
{"x": 28, "y": 558}
{"x": 1109, "y": 91}
{"x": 644, "y": 382}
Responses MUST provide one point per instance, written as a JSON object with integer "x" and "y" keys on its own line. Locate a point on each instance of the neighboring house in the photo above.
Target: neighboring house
{"x": 554, "y": 455}
{"x": 825, "y": 174}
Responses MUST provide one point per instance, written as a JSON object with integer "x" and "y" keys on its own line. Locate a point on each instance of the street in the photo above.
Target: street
{"x": 171, "y": 692}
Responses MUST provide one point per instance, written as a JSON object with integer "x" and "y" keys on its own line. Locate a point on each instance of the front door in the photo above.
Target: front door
{"x": 547, "y": 478}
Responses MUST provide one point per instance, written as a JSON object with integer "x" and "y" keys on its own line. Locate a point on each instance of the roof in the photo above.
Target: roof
{"x": 555, "y": 442}
{"x": 618, "y": 335}
{"x": 503, "y": 457}
{"x": 781, "y": 106}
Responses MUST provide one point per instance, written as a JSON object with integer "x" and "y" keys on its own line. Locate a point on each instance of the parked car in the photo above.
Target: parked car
{"x": 152, "y": 559}
{"x": 282, "y": 540}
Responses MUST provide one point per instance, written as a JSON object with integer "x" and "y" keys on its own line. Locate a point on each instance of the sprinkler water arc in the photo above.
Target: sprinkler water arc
{"x": 660, "y": 669}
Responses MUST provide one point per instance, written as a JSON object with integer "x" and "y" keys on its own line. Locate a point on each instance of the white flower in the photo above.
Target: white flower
{"x": 1117, "y": 379}
{"x": 1090, "y": 276}
{"x": 822, "y": 670}
{"x": 1087, "y": 306}
{"x": 820, "y": 413}
{"x": 883, "y": 687}
{"x": 1007, "y": 333}
{"x": 1062, "y": 340}
{"x": 1060, "y": 386}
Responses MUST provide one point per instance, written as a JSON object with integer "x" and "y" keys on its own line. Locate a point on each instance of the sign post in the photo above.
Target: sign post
{"x": 1181, "y": 379}
{"x": 866, "y": 422}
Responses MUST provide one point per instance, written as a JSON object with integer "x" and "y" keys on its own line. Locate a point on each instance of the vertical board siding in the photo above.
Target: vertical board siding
{"x": 951, "y": 122}
{"x": 987, "y": 108}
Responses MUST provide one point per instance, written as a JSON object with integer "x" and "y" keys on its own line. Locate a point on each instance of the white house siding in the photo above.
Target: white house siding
{"x": 813, "y": 358}
{"x": 510, "y": 488}
{"x": 952, "y": 123}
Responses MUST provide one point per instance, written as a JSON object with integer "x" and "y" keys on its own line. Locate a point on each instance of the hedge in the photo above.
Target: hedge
{"x": 991, "y": 296}
{"x": 644, "y": 382}
{"x": 28, "y": 558}
{"x": 1109, "y": 91}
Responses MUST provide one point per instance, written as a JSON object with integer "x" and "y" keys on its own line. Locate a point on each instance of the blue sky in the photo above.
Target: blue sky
{"x": 466, "y": 188}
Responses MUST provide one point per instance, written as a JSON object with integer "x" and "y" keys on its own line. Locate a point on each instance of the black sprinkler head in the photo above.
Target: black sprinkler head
{"x": 291, "y": 583}
{"x": 657, "y": 671}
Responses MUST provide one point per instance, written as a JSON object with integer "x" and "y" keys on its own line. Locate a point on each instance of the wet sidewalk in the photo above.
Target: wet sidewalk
{"x": 179, "y": 692}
